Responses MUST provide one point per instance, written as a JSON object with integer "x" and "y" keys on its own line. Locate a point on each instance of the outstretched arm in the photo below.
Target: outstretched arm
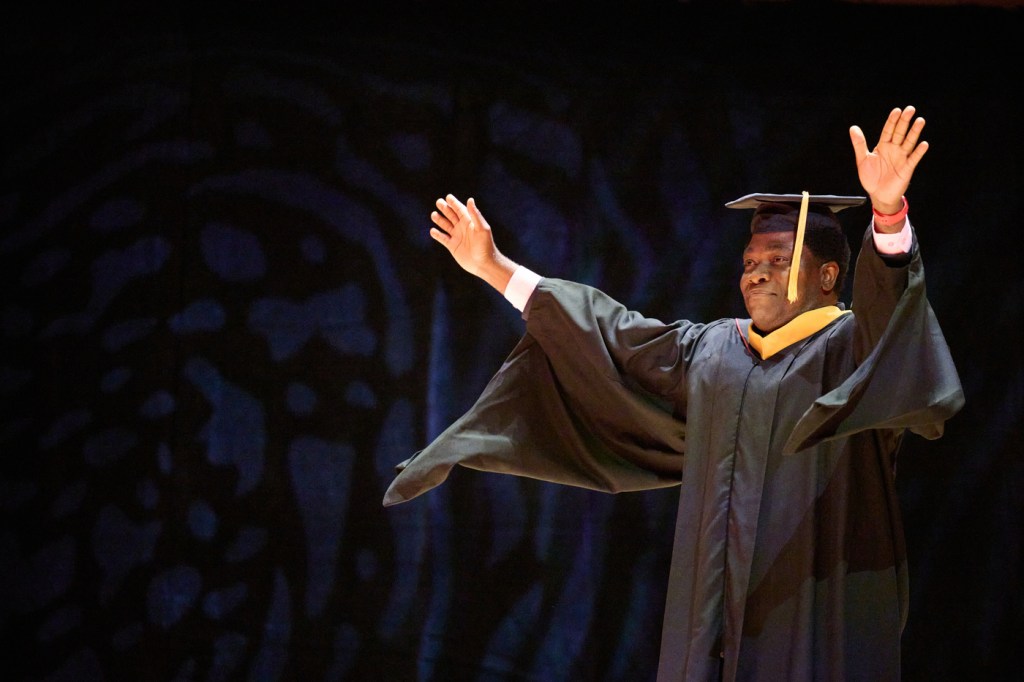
{"x": 462, "y": 229}
{"x": 885, "y": 171}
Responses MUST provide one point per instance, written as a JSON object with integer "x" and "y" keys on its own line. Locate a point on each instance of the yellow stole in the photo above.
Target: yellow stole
{"x": 800, "y": 327}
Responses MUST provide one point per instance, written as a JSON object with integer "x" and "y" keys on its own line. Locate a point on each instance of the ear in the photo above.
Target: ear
{"x": 829, "y": 273}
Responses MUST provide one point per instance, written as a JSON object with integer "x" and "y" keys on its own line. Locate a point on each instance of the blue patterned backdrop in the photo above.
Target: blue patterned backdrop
{"x": 224, "y": 322}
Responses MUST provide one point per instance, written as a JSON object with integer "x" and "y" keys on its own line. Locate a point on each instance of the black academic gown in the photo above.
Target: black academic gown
{"x": 789, "y": 560}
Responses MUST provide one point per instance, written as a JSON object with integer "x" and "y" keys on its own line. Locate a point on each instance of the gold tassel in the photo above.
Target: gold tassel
{"x": 798, "y": 247}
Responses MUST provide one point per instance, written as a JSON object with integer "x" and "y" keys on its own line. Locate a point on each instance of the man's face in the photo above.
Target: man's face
{"x": 766, "y": 264}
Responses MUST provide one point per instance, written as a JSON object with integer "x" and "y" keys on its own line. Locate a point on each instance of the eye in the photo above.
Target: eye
{"x": 780, "y": 260}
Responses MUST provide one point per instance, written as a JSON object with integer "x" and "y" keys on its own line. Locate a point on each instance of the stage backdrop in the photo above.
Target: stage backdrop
{"x": 224, "y": 323}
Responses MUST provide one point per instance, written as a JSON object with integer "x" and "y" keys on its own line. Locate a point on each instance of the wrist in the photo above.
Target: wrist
{"x": 889, "y": 219}
{"x": 497, "y": 272}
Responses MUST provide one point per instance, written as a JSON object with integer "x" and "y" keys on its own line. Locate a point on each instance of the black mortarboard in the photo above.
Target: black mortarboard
{"x": 780, "y": 212}
{"x": 799, "y": 212}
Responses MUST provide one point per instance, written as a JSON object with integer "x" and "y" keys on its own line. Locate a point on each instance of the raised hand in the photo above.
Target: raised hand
{"x": 885, "y": 171}
{"x": 463, "y": 230}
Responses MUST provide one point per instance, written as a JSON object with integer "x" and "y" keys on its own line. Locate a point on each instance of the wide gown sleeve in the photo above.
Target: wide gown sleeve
{"x": 906, "y": 378}
{"x": 564, "y": 408}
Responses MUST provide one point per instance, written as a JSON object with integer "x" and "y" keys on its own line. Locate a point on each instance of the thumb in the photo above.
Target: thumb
{"x": 474, "y": 210}
{"x": 860, "y": 145}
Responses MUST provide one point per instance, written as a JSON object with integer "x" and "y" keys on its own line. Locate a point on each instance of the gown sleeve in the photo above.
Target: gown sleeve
{"x": 565, "y": 406}
{"x": 905, "y": 378}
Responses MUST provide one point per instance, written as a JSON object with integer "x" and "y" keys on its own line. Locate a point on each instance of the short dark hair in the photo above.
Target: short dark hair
{"x": 828, "y": 244}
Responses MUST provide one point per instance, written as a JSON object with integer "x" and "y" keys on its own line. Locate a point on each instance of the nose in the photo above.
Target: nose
{"x": 757, "y": 275}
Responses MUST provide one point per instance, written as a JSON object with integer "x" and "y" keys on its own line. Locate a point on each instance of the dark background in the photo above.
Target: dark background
{"x": 224, "y": 323}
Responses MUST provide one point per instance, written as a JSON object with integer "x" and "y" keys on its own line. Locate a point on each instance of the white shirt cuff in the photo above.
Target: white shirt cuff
{"x": 520, "y": 287}
{"x": 894, "y": 244}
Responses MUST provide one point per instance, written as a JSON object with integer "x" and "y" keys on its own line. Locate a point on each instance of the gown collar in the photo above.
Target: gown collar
{"x": 797, "y": 329}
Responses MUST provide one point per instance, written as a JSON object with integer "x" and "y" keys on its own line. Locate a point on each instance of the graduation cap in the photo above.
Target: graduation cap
{"x": 800, "y": 212}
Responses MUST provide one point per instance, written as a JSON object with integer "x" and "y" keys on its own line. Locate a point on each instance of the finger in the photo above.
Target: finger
{"x": 440, "y": 236}
{"x": 918, "y": 153}
{"x": 914, "y": 134}
{"x": 441, "y": 221}
{"x": 890, "y": 126}
{"x": 446, "y": 210}
{"x": 860, "y": 145}
{"x": 902, "y": 125}
{"x": 454, "y": 203}
{"x": 461, "y": 212}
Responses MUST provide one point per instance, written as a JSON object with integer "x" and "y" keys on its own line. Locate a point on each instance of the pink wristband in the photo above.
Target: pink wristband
{"x": 891, "y": 218}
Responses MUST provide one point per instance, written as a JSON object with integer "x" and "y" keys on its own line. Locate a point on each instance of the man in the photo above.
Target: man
{"x": 782, "y": 431}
